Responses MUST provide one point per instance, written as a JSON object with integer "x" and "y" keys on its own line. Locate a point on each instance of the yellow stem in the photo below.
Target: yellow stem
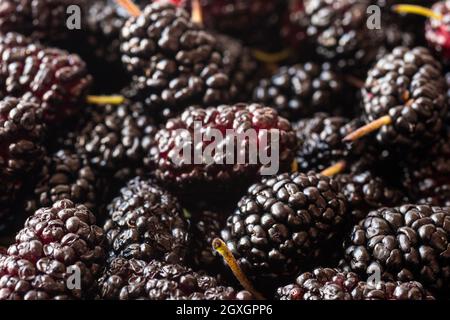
{"x": 230, "y": 260}
{"x": 414, "y": 9}
{"x": 268, "y": 57}
{"x": 294, "y": 166}
{"x": 334, "y": 169}
{"x": 130, "y": 6}
{"x": 368, "y": 128}
{"x": 103, "y": 100}
{"x": 196, "y": 13}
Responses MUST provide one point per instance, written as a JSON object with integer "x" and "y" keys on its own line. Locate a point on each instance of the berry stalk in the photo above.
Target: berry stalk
{"x": 197, "y": 13}
{"x": 294, "y": 166}
{"x": 102, "y": 100}
{"x": 418, "y": 10}
{"x": 230, "y": 260}
{"x": 268, "y": 57}
{"x": 130, "y": 6}
{"x": 334, "y": 169}
{"x": 368, "y": 128}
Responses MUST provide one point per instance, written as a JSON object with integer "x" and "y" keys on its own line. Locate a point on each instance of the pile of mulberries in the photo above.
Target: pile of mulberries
{"x": 224, "y": 150}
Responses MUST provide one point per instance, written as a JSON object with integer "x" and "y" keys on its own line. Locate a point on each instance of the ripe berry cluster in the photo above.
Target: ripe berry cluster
{"x": 95, "y": 125}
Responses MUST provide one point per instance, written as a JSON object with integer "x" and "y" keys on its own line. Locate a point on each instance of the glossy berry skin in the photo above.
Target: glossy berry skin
{"x": 408, "y": 86}
{"x": 405, "y": 243}
{"x": 281, "y": 225}
{"x": 366, "y": 191}
{"x": 54, "y": 242}
{"x": 133, "y": 279}
{"x": 21, "y": 137}
{"x": 427, "y": 179}
{"x": 21, "y": 150}
{"x": 174, "y": 62}
{"x": 115, "y": 139}
{"x": 203, "y": 176}
{"x": 43, "y": 20}
{"x": 437, "y": 32}
{"x": 146, "y": 222}
{"x": 335, "y": 284}
{"x": 320, "y": 142}
{"x": 250, "y": 21}
{"x": 339, "y": 33}
{"x": 64, "y": 175}
{"x": 294, "y": 25}
{"x": 301, "y": 90}
{"x": 55, "y": 79}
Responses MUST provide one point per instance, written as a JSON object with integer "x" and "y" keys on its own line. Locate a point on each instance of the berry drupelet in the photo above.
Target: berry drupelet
{"x": 104, "y": 24}
{"x": 339, "y": 33}
{"x": 116, "y": 139}
{"x": 406, "y": 243}
{"x": 175, "y": 63}
{"x": 366, "y": 191}
{"x": 44, "y": 20}
{"x": 437, "y": 30}
{"x": 102, "y": 46}
{"x": 251, "y": 21}
{"x": 54, "y": 242}
{"x": 396, "y": 36}
{"x": 161, "y": 281}
{"x": 405, "y": 98}
{"x": 53, "y": 78}
{"x": 21, "y": 137}
{"x": 146, "y": 222}
{"x": 240, "y": 66}
{"x": 427, "y": 179}
{"x": 301, "y": 90}
{"x": 21, "y": 150}
{"x": 64, "y": 175}
{"x": 214, "y": 176}
{"x": 205, "y": 226}
{"x": 281, "y": 224}
{"x": 335, "y": 284}
{"x": 320, "y": 142}
{"x": 294, "y": 26}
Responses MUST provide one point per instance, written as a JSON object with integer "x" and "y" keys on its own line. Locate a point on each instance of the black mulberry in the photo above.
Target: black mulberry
{"x": 406, "y": 243}
{"x": 279, "y": 227}
{"x": 334, "y": 284}
{"x": 217, "y": 175}
{"x": 54, "y": 244}
{"x": 161, "y": 281}
{"x": 53, "y": 78}
{"x": 146, "y": 222}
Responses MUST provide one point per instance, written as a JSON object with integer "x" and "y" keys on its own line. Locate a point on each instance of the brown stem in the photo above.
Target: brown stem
{"x": 103, "y": 100}
{"x": 197, "y": 12}
{"x": 230, "y": 260}
{"x": 334, "y": 169}
{"x": 418, "y": 10}
{"x": 271, "y": 58}
{"x": 368, "y": 128}
{"x": 130, "y": 6}
{"x": 294, "y": 166}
